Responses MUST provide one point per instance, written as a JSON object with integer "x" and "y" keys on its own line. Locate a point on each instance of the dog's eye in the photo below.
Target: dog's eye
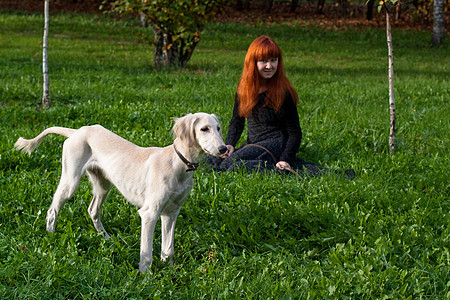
{"x": 218, "y": 128}
{"x": 205, "y": 129}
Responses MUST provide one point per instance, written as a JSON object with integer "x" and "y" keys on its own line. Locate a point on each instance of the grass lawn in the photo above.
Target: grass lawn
{"x": 383, "y": 235}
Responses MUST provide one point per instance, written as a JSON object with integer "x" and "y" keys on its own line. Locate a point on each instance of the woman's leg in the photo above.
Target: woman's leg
{"x": 254, "y": 157}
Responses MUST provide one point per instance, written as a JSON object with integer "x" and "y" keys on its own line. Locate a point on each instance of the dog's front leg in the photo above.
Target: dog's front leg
{"x": 168, "y": 229}
{"x": 149, "y": 219}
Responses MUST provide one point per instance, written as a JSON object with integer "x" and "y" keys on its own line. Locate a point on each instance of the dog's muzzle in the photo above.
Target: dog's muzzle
{"x": 222, "y": 149}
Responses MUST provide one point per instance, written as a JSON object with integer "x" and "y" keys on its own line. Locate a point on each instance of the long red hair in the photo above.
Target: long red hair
{"x": 261, "y": 48}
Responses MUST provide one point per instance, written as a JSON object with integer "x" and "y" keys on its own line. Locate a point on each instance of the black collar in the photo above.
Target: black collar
{"x": 191, "y": 166}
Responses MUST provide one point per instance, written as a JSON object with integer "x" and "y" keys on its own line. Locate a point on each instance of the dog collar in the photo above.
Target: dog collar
{"x": 191, "y": 166}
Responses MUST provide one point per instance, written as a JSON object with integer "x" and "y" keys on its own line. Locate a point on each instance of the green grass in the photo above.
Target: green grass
{"x": 384, "y": 235}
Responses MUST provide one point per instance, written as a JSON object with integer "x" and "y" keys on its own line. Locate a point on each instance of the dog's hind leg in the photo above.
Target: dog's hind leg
{"x": 100, "y": 189}
{"x": 65, "y": 190}
{"x": 73, "y": 162}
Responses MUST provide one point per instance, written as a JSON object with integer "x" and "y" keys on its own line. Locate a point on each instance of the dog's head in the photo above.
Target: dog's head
{"x": 202, "y": 131}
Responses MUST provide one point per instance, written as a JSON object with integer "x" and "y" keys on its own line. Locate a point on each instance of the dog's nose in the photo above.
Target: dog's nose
{"x": 222, "y": 149}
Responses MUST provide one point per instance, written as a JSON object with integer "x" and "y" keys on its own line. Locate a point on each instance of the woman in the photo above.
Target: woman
{"x": 267, "y": 100}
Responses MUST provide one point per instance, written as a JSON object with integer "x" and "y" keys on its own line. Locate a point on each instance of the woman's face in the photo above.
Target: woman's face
{"x": 267, "y": 67}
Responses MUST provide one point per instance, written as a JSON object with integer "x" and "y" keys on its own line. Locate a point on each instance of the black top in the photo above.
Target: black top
{"x": 265, "y": 124}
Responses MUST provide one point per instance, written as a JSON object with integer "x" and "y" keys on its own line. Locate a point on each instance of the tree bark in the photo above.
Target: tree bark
{"x": 438, "y": 22}
{"x": 293, "y": 5}
{"x": 242, "y": 5}
{"x": 343, "y": 7}
{"x": 165, "y": 52}
{"x": 320, "y": 6}
{"x": 239, "y": 5}
{"x": 170, "y": 53}
{"x": 143, "y": 22}
{"x": 391, "y": 85}
{"x": 185, "y": 54}
{"x": 45, "y": 96}
{"x": 267, "y": 6}
{"x": 369, "y": 11}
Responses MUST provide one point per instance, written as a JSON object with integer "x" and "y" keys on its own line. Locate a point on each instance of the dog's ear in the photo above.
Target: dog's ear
{"x": 215, "y": 117}
{"x": 184, "y": 129}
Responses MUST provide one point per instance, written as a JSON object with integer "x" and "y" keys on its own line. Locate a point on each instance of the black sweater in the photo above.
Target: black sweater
{"x": 265, "y": 124}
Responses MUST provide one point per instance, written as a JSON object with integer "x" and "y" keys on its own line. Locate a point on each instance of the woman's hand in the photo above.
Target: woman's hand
{"x": 230, "y": 150}
{"x": 283, "y": 165}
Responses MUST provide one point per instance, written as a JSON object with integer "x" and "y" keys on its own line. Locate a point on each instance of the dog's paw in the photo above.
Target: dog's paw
{"x": 144, "y": 268}
{"x": 167, "y": 259}
{"x": 145, "y": 263}
{"x": 51, "y": 220}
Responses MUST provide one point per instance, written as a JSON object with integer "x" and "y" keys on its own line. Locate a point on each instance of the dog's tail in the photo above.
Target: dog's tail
{"x": 28, "y": 146}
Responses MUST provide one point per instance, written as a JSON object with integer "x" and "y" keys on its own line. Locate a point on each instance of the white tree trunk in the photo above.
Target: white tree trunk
{"x": 438, "y": 22}
{"x": 45, "y": 96}
{"x": 391, "y": 85}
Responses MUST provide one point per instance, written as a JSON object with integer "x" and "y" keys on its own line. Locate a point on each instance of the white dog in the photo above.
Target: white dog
{"x": 157, "y": 180}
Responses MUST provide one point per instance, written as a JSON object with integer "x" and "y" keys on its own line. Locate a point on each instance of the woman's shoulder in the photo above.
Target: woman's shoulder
{"x": 292, "y": 95}
{"x": 289, "y": 99}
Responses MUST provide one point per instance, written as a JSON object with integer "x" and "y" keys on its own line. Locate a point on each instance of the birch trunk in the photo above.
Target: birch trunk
{"x": 391, "y": 85}
{"x": 438, "y": 22}
{"x": 45, "y": 96}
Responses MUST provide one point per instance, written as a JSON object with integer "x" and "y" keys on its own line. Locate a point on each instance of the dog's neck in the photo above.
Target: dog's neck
{"x": 188, "y": 155}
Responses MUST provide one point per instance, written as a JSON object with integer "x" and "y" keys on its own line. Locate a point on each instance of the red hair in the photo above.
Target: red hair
{"x": 262, "y": 48}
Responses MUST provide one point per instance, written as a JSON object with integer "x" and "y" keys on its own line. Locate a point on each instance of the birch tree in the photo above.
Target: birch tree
{"x": 392, "y": 124}
{"x": 389, "y": 6}
{"x": 438, "y": 22}
{"x": 45, "y": 96}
